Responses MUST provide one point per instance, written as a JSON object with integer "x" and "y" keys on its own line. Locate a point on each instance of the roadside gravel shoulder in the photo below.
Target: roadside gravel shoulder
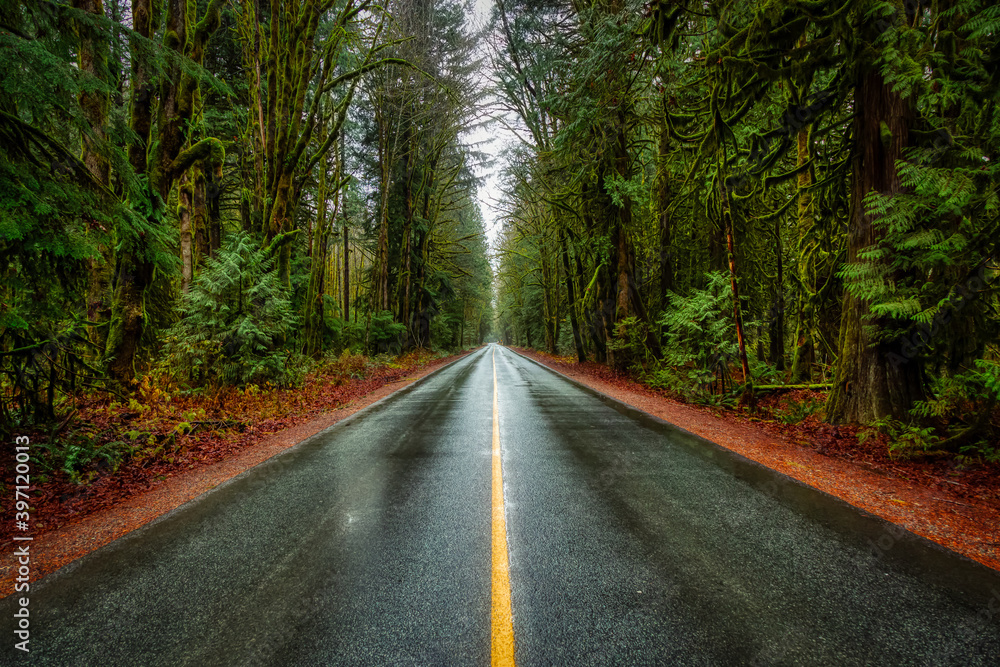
{"x": 57, "y": 548}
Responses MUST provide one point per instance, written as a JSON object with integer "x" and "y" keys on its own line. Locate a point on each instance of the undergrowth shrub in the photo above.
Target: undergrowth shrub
{"x": 905, "y": 440}
{"x": 628, "y": 345}
{"x": 235, "y": 320}
{"x": 344, "y": 335}
{"x": 385, "y": 335}
{"x": 699, "y": 342}
{"x": 77, "y": 455}
{"x": 966, "y": 400}
{"x": 343, "y": 366}
{"x": 796, "y": 411}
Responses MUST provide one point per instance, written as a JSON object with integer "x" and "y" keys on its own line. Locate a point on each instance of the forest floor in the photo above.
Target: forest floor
{"x": 955, "y": 505}
{"x": 180, "y": 448}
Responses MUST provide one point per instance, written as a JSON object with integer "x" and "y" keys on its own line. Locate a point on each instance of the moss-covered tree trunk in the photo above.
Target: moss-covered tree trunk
{"x": 628, "y": 300}
{"x": 776, "y": 324}
{"x": 201, "y": 218}
{"x": 313, "y": 320}
{"x": 727, "y": 219}
{"x": 162, "y": 161}
{"x": 868, "y": 385}
{"x": 548, "y": 308}
{"x": 133, "y": 267}
{"x": 347, "y": 272}
{"x": 423, "y": 325}
{"x": 406, "y": 252}
{"x": 581, "y": 354}
{"x": 805, "y": 348}
{"x": 664, "y": 198}
{"x": 429, "y": 211}
{"x": 93, "y": 60}
{"x": 185, "y": 213}
{"x": 380, "y": 293}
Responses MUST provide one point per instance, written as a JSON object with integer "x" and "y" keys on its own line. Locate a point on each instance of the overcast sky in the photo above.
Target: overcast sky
{"x": 492, "y": 138}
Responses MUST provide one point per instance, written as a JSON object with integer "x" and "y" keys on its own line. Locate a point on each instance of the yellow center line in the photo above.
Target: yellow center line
{"x": 502, "y": 620}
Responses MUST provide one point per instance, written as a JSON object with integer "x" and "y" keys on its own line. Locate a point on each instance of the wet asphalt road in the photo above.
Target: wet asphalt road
{"x": 630, "y": 543}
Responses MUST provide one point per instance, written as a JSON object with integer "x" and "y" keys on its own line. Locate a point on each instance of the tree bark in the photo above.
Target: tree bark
{"x": 581, "y": 355}
{"x": 93, "y": 55}
{"x": 727, "y": 218}
{"x": 548, "y": 309}
{"x": 381, "y": 290}
{"x": 185, "y": 204}
{"x": 776, "y": 332}
{"x": 663, "y": 200}
{"x": 347, "y": 273}
{"x": 317, "y": 273}
{"x": 133, "y": 270}
{"x": 869, "y": 384}
{"x": 805, "y": 321}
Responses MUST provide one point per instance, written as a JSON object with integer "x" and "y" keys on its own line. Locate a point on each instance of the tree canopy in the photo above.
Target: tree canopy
{"x": 716, "y": 196}
{"x": 220, "y": 192}
{"x": 833, "y": 163}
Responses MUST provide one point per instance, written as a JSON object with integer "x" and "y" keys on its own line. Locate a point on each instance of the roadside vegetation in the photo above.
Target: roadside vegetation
{"x": 212, "y": 213}
{"x": 784, "y": 208}
{"x": 218, "y": 219}
{"x": 108, "y": 448}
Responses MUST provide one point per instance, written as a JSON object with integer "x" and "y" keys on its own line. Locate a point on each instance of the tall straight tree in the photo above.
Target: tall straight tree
{"x": 313, "y": 63}
{"x": 159, "y": 158}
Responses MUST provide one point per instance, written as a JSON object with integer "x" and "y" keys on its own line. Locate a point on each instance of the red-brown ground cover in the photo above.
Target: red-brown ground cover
{"x": 235, "y": 430}
{"x": 956, "y": 505}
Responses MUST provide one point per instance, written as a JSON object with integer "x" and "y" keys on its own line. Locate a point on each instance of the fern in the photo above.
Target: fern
{"x": 700, "y": 337}
{"x": 937, "y": 234}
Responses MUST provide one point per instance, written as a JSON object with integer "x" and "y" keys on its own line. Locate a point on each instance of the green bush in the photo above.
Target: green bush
{"x": 629, "y": 343}
{"x": 965, "y": 400}
{"x": 344, "y": 335}
{"x": 235, "y": 319}
{"x": 905, "y": 440}
{"x": 385, "y": 335}
{"x": 700, "y": 341}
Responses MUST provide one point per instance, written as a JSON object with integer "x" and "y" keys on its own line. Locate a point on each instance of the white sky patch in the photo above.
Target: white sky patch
{"x": 488, "y": 138}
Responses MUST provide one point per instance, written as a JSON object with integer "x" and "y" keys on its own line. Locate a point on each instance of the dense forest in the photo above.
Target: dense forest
{"x": 212, "y": 193}
{"x": 726, "y": 197}
{"x": 718, "y": 197}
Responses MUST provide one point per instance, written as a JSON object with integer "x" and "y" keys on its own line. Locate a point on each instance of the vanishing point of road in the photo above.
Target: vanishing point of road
{"x": 497, "y": 512}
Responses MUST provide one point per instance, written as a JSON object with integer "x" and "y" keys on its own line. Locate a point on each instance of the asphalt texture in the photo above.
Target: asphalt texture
{"x": 631, "y": 542}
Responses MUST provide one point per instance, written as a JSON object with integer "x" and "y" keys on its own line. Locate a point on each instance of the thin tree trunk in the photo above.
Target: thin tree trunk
{"x": 200, "y": 218}
{"x": 185, "y": 202}
{"x": 805, "y": 322}
{"x": 461, "y": 328}
{"x": 581, "y": 355}
{"x": 776, "y": 331}
{"x": 547, "y": 307}
{"x": 357, "y": 283}
{"x": 317, "y": 250}
{"x": 405, "y": 315}
{"x": 380, "y": 292}
{"x": 737, "y": 311}
{"x": 663, "y": 200}
{"x": 579, "y": 289}
{"x": 347, "y": 274}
